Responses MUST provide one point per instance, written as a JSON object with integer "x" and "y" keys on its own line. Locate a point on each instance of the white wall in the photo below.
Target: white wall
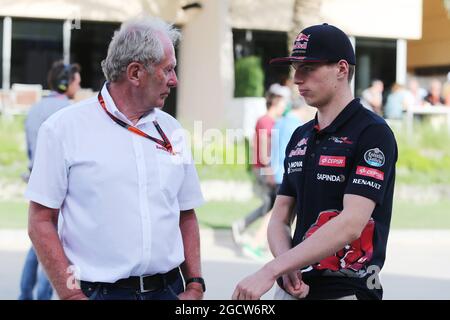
{"x": 206, "y": 67}
{"x": 101, "y": 10}
{"x": 397, "y": 19}
{"x": 206, "y": 73}
{"x": 400, "y": 19}
{"x": 262, "y": 14}
{"x": 382, "y": 18}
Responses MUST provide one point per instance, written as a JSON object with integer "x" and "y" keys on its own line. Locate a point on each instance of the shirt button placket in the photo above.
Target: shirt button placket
{"x": 145, "y": 214}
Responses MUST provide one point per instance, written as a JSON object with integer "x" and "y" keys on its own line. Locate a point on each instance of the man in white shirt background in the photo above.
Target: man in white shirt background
{"x": 118, "y": 170}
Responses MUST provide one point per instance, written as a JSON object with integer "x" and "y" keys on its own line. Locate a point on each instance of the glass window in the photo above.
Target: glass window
{"x": 88, "y": 47}
{"x": 265, "y": 44}
{"x": 375, "y": 59}
{"x": 36, "y": 44}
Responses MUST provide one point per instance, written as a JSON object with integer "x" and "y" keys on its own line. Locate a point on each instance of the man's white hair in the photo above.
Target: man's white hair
{"x": 137, "y": 40}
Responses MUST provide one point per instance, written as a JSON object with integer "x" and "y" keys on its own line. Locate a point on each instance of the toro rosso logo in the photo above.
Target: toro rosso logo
{"x": 354, "y": 256}
{"x": 302, "y": 142}
{"x": 340, "y": 140}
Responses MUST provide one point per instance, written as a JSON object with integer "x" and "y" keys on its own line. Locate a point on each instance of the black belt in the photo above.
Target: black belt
{"x": 143, "y": 283}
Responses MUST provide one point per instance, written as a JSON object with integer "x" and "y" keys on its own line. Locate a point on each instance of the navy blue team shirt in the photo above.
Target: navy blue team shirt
{"x": 355, "y": 154}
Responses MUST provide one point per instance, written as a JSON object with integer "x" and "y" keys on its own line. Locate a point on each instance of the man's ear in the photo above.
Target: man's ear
{"x": 134, "y": 73}
{"x": 343, "y": 69}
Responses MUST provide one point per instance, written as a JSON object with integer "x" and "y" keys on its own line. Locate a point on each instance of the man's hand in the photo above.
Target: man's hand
{"x": 254, "y": 286}
{"x": 193, "y": 291}
{"x": 293, "y": 284}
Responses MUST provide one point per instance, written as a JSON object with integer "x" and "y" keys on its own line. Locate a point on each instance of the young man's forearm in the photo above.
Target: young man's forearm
{"x": 279, "y": 228}
{"x": 279, "y": 237}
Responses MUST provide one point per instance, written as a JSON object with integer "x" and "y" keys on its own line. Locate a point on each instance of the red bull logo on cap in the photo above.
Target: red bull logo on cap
{"x": 302, "y": 37}
{"x": 301, "y": 42}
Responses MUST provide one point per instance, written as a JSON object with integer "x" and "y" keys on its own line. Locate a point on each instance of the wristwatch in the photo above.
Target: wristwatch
{"x": 198, "y": 280}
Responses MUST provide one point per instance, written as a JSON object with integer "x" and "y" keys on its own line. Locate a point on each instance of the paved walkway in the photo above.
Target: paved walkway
{"x": 416, "y": 264}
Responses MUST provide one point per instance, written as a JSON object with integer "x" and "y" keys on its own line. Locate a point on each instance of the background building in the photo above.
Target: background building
{"x": 429, "y": 56}
{"x": 215, "y": 34}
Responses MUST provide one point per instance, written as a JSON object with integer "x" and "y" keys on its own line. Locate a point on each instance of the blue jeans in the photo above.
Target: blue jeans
{"x": 33, "y": 274}
{"x": 107, "y": 292}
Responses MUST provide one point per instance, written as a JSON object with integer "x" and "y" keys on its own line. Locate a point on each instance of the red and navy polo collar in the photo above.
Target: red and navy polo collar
{"x": 341, "y": 119}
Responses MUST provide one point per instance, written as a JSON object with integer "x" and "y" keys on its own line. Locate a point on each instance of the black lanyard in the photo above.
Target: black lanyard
{"x": 165, "y": 143}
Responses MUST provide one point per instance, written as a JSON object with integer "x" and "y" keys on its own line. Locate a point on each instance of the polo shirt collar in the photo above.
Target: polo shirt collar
{"x": 341, "y": 119}
{"x": 111, "y": 106}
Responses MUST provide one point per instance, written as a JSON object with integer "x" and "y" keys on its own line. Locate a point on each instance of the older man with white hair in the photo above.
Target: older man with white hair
{"x": 118, "y": 170}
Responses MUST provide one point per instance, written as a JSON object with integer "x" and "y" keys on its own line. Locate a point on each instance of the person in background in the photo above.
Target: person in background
{"x": 265, "y": 187}
{"x": 434, "y": 96}
{"x": 415, "y": 94}
{"x": 282, "y": 132}
{"x": 396, "y": 102}
{"x": 446, "y": 91}
{"x": 372, "y": 97}
{"x": 64, "y": 82}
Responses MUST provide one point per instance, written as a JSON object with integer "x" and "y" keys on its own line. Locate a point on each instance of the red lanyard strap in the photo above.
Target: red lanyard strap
{"x": 165, "y": 143}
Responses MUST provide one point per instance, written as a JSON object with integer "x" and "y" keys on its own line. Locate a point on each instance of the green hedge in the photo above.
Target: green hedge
{"x": 249, "y": 77}
{"x": 12, "y": 141}
{"x": 424, "y": 156}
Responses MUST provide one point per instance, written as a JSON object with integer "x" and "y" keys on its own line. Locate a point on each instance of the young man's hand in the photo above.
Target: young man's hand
{"x": 293, "y": 284}
{"x": 253, "y": 287}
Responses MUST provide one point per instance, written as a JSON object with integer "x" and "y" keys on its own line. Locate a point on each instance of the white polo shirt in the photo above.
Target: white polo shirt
{"x": 119, "y": 194}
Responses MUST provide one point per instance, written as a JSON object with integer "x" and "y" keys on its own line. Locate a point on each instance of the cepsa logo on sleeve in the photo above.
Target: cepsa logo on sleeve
{"x": 370, "y": 172}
